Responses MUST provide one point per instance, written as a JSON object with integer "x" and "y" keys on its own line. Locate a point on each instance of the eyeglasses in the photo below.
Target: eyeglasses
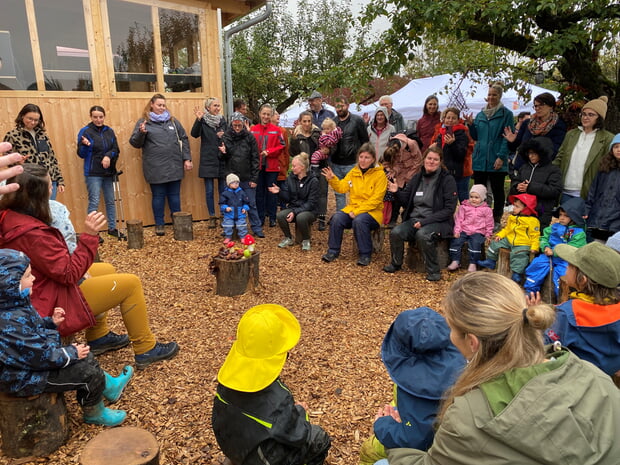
{"x": 589, "y": 115}
{"x": 34, "y": 120}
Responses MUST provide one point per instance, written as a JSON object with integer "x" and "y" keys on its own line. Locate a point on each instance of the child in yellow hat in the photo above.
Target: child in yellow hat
{"x": 255, "y": 418}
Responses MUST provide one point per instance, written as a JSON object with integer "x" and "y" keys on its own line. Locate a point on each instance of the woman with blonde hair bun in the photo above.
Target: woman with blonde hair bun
{"x": 517, "y": 401}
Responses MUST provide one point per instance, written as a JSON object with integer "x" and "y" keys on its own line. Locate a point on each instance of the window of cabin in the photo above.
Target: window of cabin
{"x": 16, "y": 64}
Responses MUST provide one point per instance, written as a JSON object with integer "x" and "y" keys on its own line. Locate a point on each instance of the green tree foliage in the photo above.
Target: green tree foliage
{"x": 571, "y": 37}
{"x": 285, "y": 57}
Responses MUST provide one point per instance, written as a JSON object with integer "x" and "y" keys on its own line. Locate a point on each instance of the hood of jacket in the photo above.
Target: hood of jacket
{"x": 543, "y": 146}
{"x": 385, "y": 113}
{"x": 529, "y": 201}
{"x": 575, "y": 208}
{"x": 13, "y": 265}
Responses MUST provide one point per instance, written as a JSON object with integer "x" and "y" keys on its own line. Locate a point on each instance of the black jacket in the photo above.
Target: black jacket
{"x": 544, "y": 179}
{"x": 267, "y": 422}
{"x": 354, "y": 134}
{"x": 301, "y": 195}
{"x": 241, "y": 155}
{"x": 444, "y": 201}
{"x": 211, "y": 163}
{"x": 300, "y": 143}
{"x": 603, "y": 203}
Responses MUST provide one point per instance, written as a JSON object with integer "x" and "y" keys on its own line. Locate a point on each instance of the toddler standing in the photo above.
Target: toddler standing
{"x": 234, "y": 206}
{"x": 330, "y": 136}
{"x": 473, "y": 224}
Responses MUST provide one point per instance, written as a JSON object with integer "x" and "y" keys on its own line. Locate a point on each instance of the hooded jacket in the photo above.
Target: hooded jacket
{"x": 211, "y": 163}
{"x": 366, "y": 191}
{"x": 30, "y": 346}
{"x": 103, "y": 143}
{"x": 472, "y": 219}
{"x": 241, "y": 157}
{"x": 380, "y": 140}
{"x": 409, "y": 160}
{"x": 237, "y": 200}
{"x": 544, "y": 179}
{"x": 603, "y": 201}
{"x": 573, "y": 234}
{"x": 301, "y": 195}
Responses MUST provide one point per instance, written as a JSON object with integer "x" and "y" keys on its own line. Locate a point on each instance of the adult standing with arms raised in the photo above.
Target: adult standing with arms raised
{"x": 165, "y": 156}
{"x": 431, "y": 117}
{"x": 490, "y": 157}
{"x": 98, "y": 147}
{"x": 318, "y": 110}
{"x": 210, "y": 127}
{"x": 354, "y": 134}
{"x": 30, "y": 140}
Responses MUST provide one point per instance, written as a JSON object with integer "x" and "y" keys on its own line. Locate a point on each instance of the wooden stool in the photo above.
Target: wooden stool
{"x": 232, "y": 276}
{"x": 126, "y": 445}
{"x": 415, "y": 259}
{"x": 33, "y": 426}
{"x": 503, "y": 262}
{"x": 135, "y": 234}
{"x": 183, "y": 226}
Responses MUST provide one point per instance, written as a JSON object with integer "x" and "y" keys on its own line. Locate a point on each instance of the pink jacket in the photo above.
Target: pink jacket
{"x": 470, "y": 219}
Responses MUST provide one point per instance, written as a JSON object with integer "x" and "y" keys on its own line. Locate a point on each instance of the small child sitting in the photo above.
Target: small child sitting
{"x": 330, "y": 136}
{"x": 473, "y": 224}
{"x": 570, "y": 229}
{"x": 255, "y": 418}
{"x": 234, "y": 206}
{"x": 520, "y": 235}
{"x": 33, "y": 360}
{"x": 423, "y": 364}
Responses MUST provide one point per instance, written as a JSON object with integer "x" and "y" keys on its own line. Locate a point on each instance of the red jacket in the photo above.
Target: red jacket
{"x": 56, "y": 271}
{"x": 269, "y": 138}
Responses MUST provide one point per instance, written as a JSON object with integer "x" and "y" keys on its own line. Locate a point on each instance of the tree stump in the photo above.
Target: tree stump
{"x": 183, "y": 226}
{"x": 415, "y": 259}
{"x": 33, "y": 426}
{"x": 232, "y": 276}
{"x": 503, "y": 262}
{"x": 135, "y": 234}
{"x": 378, "y": 238}
{"x": 126, "y": 445}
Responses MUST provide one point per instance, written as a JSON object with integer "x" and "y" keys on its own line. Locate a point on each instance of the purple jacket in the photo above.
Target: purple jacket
{"x": 471, "y": 220}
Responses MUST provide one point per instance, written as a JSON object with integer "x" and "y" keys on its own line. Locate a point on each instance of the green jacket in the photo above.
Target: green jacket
{"x": 569, "y": 415}
{"x": 600, "y": 147}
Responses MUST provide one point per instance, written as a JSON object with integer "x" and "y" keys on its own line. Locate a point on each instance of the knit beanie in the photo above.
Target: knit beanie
{"x": 232, "y": 177}
{"x": 614, "y": 141}
{"x": 479, "y": 189}
{"x": 236, "y": 116}
{"x": 599, "y": 105}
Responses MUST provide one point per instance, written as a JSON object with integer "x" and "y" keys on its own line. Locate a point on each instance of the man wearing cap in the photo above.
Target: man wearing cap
{"x": 255, "y": 418}
{"x": 318, "y": 110}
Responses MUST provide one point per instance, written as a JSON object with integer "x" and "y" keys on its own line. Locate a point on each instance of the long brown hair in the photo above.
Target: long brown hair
{"x": 147, "y": 108}
{"x": 493, "y": 308}
{"x": 29, "y": 108}
{"x": 32, "y": 197}
{"x": 609, "y": 162}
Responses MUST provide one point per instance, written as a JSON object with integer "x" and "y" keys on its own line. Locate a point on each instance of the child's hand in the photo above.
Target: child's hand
{"x": 83, "y": 350}
{"x": 228, "y": 209}
{"x": 548, "y": 252}
{"x": 302, "y": 405}
{"x": 496, "y": 238}
{"x": 533, "y": 298}
{"x": 58, "y": 316}
{"x": 243, "y": 210}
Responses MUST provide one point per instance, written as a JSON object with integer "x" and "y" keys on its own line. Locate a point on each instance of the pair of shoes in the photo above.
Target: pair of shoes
{"x": 364, "y": 260}
{"x": 272, "y": 222}
{"x": 101, "y": 415}
{"x": 454, "y": 266}
{"x": 329, "y": 257}
{"x": 114, "y": 386}
{"x": 159, "y": 352}
{"x": 433, "y": 277}
{"x": 391, "y": 268}
{"x": 305, "y": 245}
{"x": 110, "y": 341}
{"x": 116, "y": 233}
{"x": 472, "y": 267}
{"x": 286, "y": 242}
{"x": 160, "y": 230}
{"x": 488, "y": 263}
{"x": 516, "y": 277}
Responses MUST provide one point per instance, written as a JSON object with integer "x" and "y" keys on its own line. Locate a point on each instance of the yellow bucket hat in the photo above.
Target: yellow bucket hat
{"x": 264, "y": 336}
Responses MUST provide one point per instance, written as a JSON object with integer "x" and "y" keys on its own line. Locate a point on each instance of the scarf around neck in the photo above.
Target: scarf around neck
{"x": 165, "y": 116}
{"x": 489, "y": 112}
{"x": 212, "y": 121}
{"x": 540, "y": 127}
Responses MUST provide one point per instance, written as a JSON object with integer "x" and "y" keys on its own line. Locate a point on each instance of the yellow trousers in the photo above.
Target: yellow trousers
{"x": 106, "y": 289}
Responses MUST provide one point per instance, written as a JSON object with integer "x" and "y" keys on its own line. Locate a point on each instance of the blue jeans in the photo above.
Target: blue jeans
{"x": 229, "y": 224}
{"x": 475, "y": 242}
{"x": 95, "y": 184}
{"x": 361, "y": 224}
{"x": 170, "y": 190}
{"x": 341, "y": 171}
{"x": 266, "y": 202}
{"x": 209, "y": 192}
{"x": 255, "y": 221}
{"x": 54, "y": 190}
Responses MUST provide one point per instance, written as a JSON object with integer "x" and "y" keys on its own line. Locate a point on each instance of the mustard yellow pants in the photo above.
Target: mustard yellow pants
{"x": 106, "y": 289}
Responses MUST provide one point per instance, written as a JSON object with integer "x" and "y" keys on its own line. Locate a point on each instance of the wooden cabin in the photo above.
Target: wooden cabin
{"x": 68, "y": 55}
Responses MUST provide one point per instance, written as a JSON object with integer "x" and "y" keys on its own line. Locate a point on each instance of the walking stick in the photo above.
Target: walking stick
{"x": 118, "y": 201}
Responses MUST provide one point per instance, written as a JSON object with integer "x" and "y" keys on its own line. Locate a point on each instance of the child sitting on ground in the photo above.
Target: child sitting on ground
{"x": 234, "y": 206}
{"x": 330, "y": 136}
{"x": 570, "y": 229}
{"x": 33, "y": 360}
{"x": 473, "y": 224}
{"x": 589, "y": 323}
{"x": 520, "y": 235}
{"x": 255, "y": 418}
{"x": 423, "y": 364}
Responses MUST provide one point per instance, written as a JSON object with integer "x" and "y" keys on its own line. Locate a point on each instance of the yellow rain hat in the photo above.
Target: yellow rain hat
{"x": 264, "y": 336}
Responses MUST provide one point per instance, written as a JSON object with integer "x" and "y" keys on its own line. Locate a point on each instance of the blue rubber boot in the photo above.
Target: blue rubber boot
{"x": 488, "y": 263}
{"x": 114, "y": 386}
{"x": 101, "y": 415}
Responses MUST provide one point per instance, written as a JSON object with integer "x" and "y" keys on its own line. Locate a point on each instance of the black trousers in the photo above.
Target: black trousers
{"x": 85, "y": 377}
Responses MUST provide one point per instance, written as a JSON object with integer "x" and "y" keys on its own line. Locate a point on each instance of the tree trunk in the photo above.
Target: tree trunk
{"x": 232, "y": 276}
{"x": 135, "y": 234}
{"x": 183, "y": 226}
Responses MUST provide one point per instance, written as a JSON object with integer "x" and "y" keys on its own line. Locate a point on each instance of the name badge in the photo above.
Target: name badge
{"x": 171, "y": 127}
{"x": 419, "y": 194}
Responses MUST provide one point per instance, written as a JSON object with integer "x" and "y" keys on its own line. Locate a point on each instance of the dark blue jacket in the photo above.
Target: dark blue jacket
{"x": 603, "y": 203}
{"x": 103, "y": 143}
{"x": 235, "y": 199}
{"x": 30, "y": 346}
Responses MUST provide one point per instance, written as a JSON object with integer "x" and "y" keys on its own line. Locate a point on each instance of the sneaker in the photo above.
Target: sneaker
{"x": 286, "y": 242}
{"x": 305, "y": 246}
{"x": 116, "y": 233}
{"x": 488, "y": 263}
{"x": 433, "y": 277}
{"x": 160, "y": 230}
{"x": 329, "y": 257}
{"x": 364, "y": 260}
{"x": 110, "y": 341}
{"x": 472, "y": 267}
{"x": 391, "y": 268}
{"x": 453, "y": 266}
{"x": 159, "y": 352}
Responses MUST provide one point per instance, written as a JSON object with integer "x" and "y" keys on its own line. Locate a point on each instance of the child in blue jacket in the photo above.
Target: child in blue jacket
{"x": 423, "y": 364}
{"x": 234, "y": 206}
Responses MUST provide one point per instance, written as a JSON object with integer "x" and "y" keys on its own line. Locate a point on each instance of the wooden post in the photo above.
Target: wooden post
{"x": 564, "y": 290}
{"x": 183, "y": 226}
{"x": 33, "y": 426}
{"x": 126, "y": 445}
{"x": 135, "y": 234}
{"x": 232, "y": 276}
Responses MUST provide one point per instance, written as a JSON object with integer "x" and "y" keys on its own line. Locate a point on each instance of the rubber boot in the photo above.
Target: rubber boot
{"x": 322, "y": 223}
{"x": 114, "y": 386}
{"x": 101, "y": 415}
{"x": 488, "y": 263}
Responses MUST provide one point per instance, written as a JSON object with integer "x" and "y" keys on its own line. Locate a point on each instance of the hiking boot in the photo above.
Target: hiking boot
{"x": 160, "y": 230}
{"x": 329, "y": 257}
{"x": 110, "y": 341}
{"x": 433, "y": 277}
{"x": 114, "y": 386}
{"x": 116, "y": 233}
{"x": 101, "y": 415}
{"x": 159, "y": 352}
{"x": 272, "y": 222}
{"x": 286, "y": 242}
{"x": 488, "y": 263}
{"x": 453, "y": 266}
{"x": 391, "y": 268}
{"x": 305, "y": 245}
{"x": 364, "y": 260}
